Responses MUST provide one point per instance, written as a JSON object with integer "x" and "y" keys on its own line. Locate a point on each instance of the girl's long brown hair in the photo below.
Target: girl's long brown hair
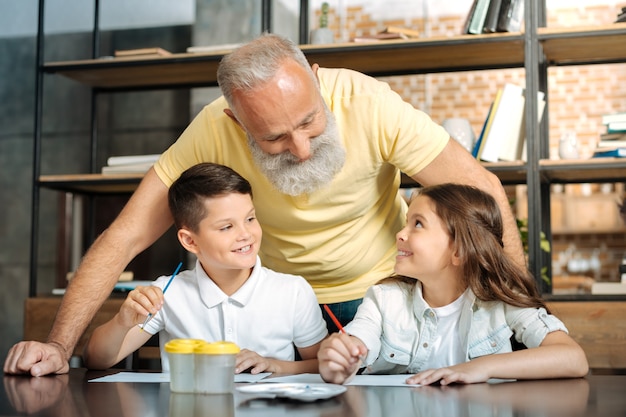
{"x": 475, "y": 227}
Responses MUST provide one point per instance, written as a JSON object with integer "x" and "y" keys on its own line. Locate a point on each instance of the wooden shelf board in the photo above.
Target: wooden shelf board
{"x": 436, "y": 54}
{"x": 583, "y": 170}
{"x": 584, "y": 45}
{"x": 508, "y": 172}
{"x": 553, "y": 171}
{"x": 439, "y": 54}
{"x": 92, "y": 183}
{"x": 562, "y": 46}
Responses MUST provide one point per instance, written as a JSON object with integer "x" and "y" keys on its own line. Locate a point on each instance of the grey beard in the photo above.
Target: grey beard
{"x": 293, "y": 177}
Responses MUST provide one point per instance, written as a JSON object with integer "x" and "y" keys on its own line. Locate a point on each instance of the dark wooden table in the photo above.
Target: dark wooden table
{"x": 71, "y": 395}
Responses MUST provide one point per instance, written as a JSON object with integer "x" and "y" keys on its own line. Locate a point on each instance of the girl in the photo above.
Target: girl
{"x": 449, "y": 313}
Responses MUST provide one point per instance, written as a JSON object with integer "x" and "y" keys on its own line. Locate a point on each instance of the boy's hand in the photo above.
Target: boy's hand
{"x": 140, "y": 302}
{"x": 340, "y": 357}
{"x": 247, "y": 359}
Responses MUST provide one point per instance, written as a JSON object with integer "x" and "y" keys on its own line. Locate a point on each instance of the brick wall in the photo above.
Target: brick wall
{"x": 578, "y": 97}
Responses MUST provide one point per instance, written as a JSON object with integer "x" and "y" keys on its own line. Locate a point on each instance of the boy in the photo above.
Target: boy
{"x": 228, "y": 296}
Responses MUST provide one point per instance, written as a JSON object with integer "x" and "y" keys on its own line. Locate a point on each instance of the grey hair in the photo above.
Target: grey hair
{"x": 257, "y": 62}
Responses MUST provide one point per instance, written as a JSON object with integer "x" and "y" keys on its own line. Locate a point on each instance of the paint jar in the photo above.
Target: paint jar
{"x": 180, "y": 353}
{"x": 215, "y": 367}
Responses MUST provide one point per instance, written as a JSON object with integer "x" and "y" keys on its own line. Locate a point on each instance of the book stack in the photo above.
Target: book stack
{"x": 608, "y": 288}
{"x": 503, "y": 136}
{"x": 223, "y": 48}
{"x": 489, "y": 16}
{"x": 142, "y": 53}
{"x": 612, "y": 143}
{"x": 389, "y": 33}
{"x": 130, "y": 164}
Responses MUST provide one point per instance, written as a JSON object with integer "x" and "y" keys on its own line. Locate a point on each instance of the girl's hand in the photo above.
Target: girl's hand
{"x": 340, "y": 357}
{"x": 467, "y": 373}
{"x": 138, "y": 304}
{"x": 247, "y": 359}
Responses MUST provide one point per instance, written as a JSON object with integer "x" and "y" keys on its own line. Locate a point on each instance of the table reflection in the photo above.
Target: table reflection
{"x": 200, "y": 405}
{"x": 71, "y": 395}
{"x": 564, "y": 397}
{"x": 29, "y": 395}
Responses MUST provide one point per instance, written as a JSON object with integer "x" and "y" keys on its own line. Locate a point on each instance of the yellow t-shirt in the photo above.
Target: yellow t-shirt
{"x": 340, "y": 238}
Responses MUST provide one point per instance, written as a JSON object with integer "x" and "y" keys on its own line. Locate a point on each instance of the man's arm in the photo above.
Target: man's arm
{"x": 455, "y": 164}
{"x": 145, "y": 217}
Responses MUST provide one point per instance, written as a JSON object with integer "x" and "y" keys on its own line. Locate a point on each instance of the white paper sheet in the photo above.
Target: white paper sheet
{"x": 360, "y": 380}
{"x": 159, "y": 377}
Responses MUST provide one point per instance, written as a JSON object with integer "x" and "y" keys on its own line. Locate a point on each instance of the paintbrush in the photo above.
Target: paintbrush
{"x": 164, "y": 289}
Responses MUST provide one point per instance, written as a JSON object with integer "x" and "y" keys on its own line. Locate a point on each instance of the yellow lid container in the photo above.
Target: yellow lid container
{"x": 217, "y": 348}
{"x": 182, "y": 345}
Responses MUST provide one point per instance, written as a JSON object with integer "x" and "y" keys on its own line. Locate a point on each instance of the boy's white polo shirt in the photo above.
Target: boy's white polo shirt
{"x": 268, "y": 315}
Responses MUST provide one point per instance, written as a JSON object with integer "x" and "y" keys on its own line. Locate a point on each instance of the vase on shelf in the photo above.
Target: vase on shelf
{"x": 460, "y": 130}
{"x": 568, "y": 146}
{"x": 322, "y": 35}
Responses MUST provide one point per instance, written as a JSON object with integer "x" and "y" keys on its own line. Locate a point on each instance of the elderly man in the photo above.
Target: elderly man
{"x": 323, "y": 149}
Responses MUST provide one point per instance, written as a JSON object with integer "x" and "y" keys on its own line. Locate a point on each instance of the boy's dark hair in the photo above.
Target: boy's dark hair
{"x": 205, "y": 180}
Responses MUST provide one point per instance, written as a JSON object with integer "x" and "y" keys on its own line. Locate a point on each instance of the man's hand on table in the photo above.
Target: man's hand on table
{"x": 36, "y": 359}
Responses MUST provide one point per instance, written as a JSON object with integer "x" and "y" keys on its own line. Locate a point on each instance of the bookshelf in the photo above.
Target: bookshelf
{"x": 534, "y": 50}
{"x": 395, "y": 57}
{"x": 92, "y": 183}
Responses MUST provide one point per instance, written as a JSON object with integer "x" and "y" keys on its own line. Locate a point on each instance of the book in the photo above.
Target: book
{"x": 608, "y": 288}
{"x": 468, "y": 18}
{"x": 477, "y": 20}
{"x": 124, "y": 276}
{"x": 488, "y": 123}
{"x": 123, "y": 285}
{"x": 613, "y": 136}
{"x": 143, "y": 52}
{"x": 610, "y": 153}
{"x": 213, "y": 48}
{"x": 541, "y": 104}
{"x": 506, "y": 122}
{"x": 615, "y": 127}
{"x": 410, "y": 33}
{"x": 140, "y": 167}
{"x": 493, "y": 13}
{"x": 479, "y": 140}
{"x": 511, "y": 16}
{"x": 613, "y": 117}
{"x": 611, "y": 144}
{"x": 127, "y": 286}
{"x": 381, "y": 36}
{"x": 132, "y": 159}
{"x": 513, "y": 138}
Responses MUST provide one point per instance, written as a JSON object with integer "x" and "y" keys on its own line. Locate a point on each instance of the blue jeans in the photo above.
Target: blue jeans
{"x": 344, "y": 312}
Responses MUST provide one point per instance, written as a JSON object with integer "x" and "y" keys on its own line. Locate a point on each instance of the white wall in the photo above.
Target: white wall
{"x": 18, "y": 18}
{"x": 397, "y": 9}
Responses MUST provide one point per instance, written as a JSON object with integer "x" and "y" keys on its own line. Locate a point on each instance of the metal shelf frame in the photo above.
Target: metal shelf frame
{"x": 534, "y": 50}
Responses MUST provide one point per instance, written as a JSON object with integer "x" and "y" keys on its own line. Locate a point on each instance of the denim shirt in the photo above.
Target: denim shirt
{"x": 398, "y": 327}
